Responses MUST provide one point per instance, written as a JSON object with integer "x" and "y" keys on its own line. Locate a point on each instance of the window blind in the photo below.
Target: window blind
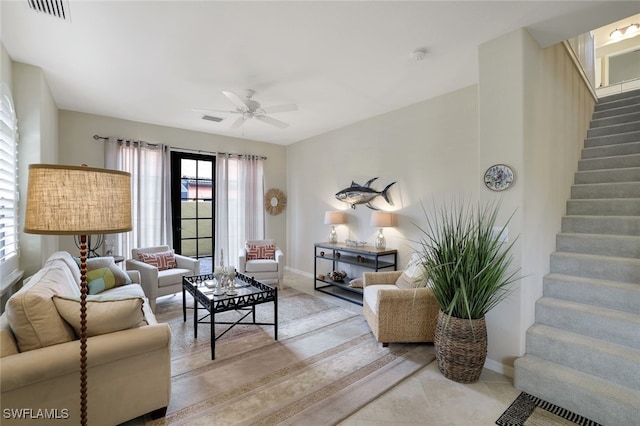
{"x": 8, "y": 177}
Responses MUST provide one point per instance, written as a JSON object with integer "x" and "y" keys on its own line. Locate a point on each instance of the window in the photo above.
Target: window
{"x": 8, "y": 183}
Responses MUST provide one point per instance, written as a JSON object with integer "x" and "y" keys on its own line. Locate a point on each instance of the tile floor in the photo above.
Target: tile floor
{"x": 427, "y": 398}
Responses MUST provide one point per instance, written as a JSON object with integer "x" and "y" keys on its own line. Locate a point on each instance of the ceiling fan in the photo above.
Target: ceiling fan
{"x": 249, "y": 108}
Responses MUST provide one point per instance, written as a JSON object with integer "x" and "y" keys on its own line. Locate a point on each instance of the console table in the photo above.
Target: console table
{"x": 329, "y": 256}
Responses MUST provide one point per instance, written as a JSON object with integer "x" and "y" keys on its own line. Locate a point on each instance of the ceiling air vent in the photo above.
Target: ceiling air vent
{"x": 56, "y": 8}
{"x": 212, "y": 118}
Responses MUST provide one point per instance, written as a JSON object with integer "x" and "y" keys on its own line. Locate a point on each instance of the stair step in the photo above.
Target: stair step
{"x": 611, "y": 150}
{"x": 605, "y": 190}
{"x": 612, "y": 139}
{"x": 613, "y": 129}
{"x": 599, "y": 244}
{"x": 613, "y": 162}
{"x": 597, "y": 399}
{"x": 602, "y": 359}
{"x": 614, "y": 97}
{"x": 614, "y": 112}
{"x": 623, "y": 269}
{"x": 604, "y": 207}
{"x": 605, "y": 324}
{"x": 614, "y": 225}
{"x": 630, "y": 99}
{"x": 604, "y": 293}
{"x": 628, "y": 174}
{"x": 619, "y": 118}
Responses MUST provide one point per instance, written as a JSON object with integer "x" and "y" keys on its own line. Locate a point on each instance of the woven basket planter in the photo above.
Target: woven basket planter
{"x": 461, "y": 347}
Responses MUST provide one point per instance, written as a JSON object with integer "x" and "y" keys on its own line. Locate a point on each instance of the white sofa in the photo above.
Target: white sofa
{"x": 129, "y": 370}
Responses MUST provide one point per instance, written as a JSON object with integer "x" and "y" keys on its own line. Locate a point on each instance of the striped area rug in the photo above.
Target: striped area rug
{"x": 325, "y": 366}
{"x": 528, "y": 410}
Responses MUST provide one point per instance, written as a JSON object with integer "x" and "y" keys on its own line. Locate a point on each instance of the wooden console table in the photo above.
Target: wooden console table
{"x": 328, "y": 256}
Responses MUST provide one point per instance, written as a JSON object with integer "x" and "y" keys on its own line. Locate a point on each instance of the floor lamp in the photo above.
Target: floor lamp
{"x": 70, "y": 200}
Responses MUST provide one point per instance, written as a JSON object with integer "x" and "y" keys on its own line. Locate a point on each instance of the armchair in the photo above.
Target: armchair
{"x": 165, "y": 279}
{"x": 262, "y": 260}
{"x": 396, "y": 310}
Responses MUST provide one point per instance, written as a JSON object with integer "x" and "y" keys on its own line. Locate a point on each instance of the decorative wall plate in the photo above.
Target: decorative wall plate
{"x": 275, "y": 201}
{"x": 498, "y": 177}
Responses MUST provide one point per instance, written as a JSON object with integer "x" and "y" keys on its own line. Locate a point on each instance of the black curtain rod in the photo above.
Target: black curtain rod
{"x": 172, "y": 148}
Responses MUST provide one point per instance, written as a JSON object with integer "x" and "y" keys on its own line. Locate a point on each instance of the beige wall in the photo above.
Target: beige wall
{"x": 429, "y": 148}
{"x": 534, "y": 113}
{"x": 77, "y": 146}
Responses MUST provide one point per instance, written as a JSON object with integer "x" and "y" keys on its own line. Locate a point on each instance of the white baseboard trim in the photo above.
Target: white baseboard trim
{"x": 298, "y": 271}
{"x": 499, "y": 367}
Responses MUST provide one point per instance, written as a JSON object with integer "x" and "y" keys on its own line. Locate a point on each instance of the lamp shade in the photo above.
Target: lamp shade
{"x": 382, "y": 219}
{"x": 72, "y": 200}
{"x": 333, "y": 218}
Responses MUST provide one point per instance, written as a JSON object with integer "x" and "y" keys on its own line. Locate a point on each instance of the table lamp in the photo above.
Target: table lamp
{"x": 333, "y": 218}
{"x": 71, "y": 200}
{"x": 381, "y": 220}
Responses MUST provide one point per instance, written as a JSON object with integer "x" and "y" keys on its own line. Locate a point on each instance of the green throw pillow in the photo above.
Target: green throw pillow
{"x": 103, "y": 274}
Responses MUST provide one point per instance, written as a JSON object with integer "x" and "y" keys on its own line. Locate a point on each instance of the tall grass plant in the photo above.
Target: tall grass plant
{"x": 464, "y": 259}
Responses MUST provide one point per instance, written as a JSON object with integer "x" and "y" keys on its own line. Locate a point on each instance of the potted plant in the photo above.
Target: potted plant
{"x": 468, "y": 268}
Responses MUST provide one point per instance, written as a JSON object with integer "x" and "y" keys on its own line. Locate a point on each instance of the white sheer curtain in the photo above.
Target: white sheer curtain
{"x": 149, "y": 165}
{"x": 239, "y": 209}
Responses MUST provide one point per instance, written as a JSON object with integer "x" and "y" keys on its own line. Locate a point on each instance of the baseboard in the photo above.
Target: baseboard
{"x": 499, "y": 367}
{"x": 298, "y": 271}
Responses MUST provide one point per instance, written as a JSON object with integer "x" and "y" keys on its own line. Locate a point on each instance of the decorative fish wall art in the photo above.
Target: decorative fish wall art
{"x": 363, "y": 194}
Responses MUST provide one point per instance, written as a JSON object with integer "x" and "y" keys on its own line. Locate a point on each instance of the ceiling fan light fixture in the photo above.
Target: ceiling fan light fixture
{"x": 419, "y": 54}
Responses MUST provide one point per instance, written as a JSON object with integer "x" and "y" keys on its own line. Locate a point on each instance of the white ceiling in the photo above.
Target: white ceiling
{"x": 340, "y": 62}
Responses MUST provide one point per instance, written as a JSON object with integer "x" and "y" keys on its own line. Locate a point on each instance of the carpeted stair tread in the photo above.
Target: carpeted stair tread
{"x": 621, "y": 296}
{"x": 614, "y": 112}
{"x": 611, "y": 150}
{"x": 606, "y": 324}
{"x": 599, "y": 244}
{"x": 621, "y": 95}
{"x": 614, "y": 129}
{"x": 604, "y": 207}
{"x": 612, "y": 139}
{"x": 614, "y": 268}
{"x": 602, "y": 359}
{"x": 625, "y": 174}
{"x": 596, "y": 224}
{"x": 589, "y": 396}
{"x": 606, "y": 190}
{"x": 615, "y": 161}
{"x": 605, "y": 103}
{"x": 632, "y": 114}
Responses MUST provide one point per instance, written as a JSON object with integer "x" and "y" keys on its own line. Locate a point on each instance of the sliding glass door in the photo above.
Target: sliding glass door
{"x": 193, "y": 198}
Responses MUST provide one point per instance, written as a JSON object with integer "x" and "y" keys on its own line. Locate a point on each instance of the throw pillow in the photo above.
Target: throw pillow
{"x": 163, "y": 260}
{"x": 413, "y": 275}
{"x": 103, "y": 274}
{"x": 106, "y": 314}
{"x": 255, "y": 251}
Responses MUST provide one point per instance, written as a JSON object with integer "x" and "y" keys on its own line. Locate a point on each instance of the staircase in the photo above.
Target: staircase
{"x": 583, "y": 352}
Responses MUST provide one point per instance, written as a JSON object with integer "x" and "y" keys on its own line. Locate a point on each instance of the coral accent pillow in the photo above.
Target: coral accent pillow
{"x": 255, "y": 251}
{"x": 163, "y": 260}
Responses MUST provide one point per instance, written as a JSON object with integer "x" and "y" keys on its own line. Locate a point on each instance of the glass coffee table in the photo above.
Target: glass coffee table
{"x": 249, "y": 294}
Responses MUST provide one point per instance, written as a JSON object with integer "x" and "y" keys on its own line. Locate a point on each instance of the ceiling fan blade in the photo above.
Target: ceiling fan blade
{"x": 236, "y": 100}
{"x": 239, "y": 121}
{"x": 280, "y": 108}
{"x": 272, "y": 121}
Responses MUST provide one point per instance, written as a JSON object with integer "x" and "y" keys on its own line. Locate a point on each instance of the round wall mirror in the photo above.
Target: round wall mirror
{"x": 275, "y": 201}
